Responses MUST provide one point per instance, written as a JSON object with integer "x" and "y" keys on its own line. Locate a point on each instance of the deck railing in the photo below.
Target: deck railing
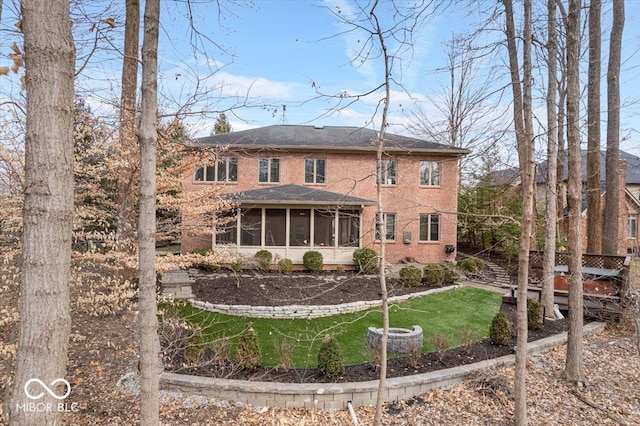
{"x": 588, "y": 260}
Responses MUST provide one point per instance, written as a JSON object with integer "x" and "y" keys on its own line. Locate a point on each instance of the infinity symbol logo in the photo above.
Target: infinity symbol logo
{"x": 47, "y": 388}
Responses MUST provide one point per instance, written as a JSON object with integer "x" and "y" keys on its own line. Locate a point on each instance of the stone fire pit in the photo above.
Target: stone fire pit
{"x": 400, "y": 339}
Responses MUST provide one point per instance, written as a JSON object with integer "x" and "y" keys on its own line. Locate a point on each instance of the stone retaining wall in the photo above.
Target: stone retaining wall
{"x": 306, "y": 311}
{"x": 335, "y": 396}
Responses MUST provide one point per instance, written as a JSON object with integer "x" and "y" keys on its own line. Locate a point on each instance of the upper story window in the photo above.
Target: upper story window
{"x": 632, "y": 229}
{"x": 225, "y": 170}
{"x": 388, "y": 172}
{"x": 430, "y": 173}
{"x": 269, "y": 170}
{"x": 314, "y": 170}
{"x": 429, "y": 227}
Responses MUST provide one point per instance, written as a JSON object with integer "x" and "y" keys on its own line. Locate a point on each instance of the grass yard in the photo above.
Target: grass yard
{"x": 449, "y": 313}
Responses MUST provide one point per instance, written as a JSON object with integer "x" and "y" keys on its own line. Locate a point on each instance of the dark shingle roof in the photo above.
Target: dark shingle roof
{"x": 334, "y": 138}
{"x": 295, "y": 194}
{"x": 633, "y": 168}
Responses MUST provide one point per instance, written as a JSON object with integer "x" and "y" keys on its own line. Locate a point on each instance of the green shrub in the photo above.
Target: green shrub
{"x": 450, "y": 274}
{"x": 248, "y": 350}
{"x": 472, "y": 264}
{"x": 201, "y": 251}
{"x": 313, "y": 261}
{"x": 207, "y": 266}
{"x": 285, "y": 266}
{"x": 500, "y": 330}
{"x": 534, "y": 315}
{"x": 263, "y": 257}
{"x": 330, "y": 359}
{"x": 236, "y": 265}
{"x": 410, "y": 276}
{"x": 366, "y": 260}
{"x": 434, "y": 275}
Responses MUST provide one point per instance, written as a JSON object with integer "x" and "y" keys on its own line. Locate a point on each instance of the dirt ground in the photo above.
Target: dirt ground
{"x": 103, "y": 350}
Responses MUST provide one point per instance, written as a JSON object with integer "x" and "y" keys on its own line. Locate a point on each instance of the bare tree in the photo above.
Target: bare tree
{"x": 551, "y": 196}
{"x": 128, "y": 144}
{"x": 574, "y": 367}
{"x": 523, "y": 117}
{"x": 612, "y": 195}
{"x": 45, "y": 321}
{"x": 149, "y": 344}
{"x": 466, "y": 119}
{"x": 594, "y": 223}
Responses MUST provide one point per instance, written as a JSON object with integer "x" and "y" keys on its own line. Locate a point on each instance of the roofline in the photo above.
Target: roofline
{"x": 303, "y": 203}
{"x": 458, "y": 152}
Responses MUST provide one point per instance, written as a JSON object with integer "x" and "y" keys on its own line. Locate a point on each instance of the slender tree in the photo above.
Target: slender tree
{"x": 149, "y": 345}
{"x": 45, "y": 322}
{"x": 594, "y": 222}
{"x": 523, "y": 123}
{"x": 128, "y": 145}
{"x": 574, "y": 367}
{"x": 612, "y": 195}
{"x": 551, "y": 190}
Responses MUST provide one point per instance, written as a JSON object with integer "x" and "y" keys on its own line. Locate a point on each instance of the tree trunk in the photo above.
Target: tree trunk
{"x": 574, "y": 363}
{"x": 128, "y": 144}
{"x": 524, "y": 135}
{"x": 381, "y": 223}
{"x": 45, "y": 321}
{"x": 594, "y": 222}
{"x": 149, "y": 345}
{"x": 551, "y": 196}
{"x": 612, "y": 195}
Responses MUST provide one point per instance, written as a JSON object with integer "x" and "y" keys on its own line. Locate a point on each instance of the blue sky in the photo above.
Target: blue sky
{"x": 282, "y": 52}
{"x": 259, "y": 57}
{"x": 286, "y": 52}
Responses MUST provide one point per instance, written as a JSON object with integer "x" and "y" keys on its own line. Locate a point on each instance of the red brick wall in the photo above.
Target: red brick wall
{"x": 354, "y": 174}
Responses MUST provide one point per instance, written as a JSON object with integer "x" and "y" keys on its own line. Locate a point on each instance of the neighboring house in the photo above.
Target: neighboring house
{"x": 629, "y": 177}
{"x": 300, "y": 188}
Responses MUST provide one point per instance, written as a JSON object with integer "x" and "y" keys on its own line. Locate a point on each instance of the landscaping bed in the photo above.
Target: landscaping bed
{"x": 301, "y": 289}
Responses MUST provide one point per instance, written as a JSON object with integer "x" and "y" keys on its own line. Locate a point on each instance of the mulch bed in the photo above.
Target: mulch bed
{"x": 279, "y": 290}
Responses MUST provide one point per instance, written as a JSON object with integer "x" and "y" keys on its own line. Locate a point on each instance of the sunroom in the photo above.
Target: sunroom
{"x": 289, "y": 220}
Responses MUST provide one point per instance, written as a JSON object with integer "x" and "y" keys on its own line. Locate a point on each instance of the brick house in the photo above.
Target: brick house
{"x": 299, "y": 188}
{"x": 629, "y": 207}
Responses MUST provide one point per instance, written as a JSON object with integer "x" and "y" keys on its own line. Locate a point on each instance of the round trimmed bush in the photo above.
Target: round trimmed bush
{"x": 330, "y": 359}
{"x": 263, "y": 258}
{"x": 366, "y": 260}
{"x": 500, "y": 330}
{"x": 313, "y": 261}
{"x": 434, "y": 275}
{"x": 285, "y": 266}
{"x": 410, "y": 276}
{"x": 472, "y": 265}
{"x": 534, "y": 315}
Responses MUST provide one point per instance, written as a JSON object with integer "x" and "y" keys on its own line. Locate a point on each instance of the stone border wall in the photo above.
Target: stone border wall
{"x": 307, "y": 311}
{"x": 335, "y": 396}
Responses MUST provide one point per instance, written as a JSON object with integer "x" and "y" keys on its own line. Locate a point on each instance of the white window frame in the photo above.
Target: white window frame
{"x": 429, "y": 217}
{"x": 205, "y": 175}
{"x": 632, "y": 226}
{"x": 430, "y": 175}
{"x": 314, "y": 171}
{"x": 269, "y": 161}
{"x": 386, "y": 166}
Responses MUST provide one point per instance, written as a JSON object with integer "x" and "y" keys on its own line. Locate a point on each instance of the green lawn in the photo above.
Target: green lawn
{"x": 448, "y": 312}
